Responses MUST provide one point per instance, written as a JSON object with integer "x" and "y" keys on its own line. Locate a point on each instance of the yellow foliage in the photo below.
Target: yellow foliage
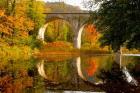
{"x": 10, "y": 24}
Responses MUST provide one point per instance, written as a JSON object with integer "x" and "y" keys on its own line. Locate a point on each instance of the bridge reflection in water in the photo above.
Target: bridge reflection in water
{"x": 90, "y": 75}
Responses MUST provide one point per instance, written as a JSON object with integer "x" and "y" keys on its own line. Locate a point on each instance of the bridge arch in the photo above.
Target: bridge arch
{"x": 77, "y": 38}
{"x": 41, "y": 32}
{"x": 77, "y": 22}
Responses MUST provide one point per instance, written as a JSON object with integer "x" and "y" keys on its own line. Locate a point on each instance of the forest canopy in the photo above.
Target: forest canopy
{"x": 119, "y": 21}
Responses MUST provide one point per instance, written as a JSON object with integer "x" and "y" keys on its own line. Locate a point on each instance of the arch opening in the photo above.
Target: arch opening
{"x": 56, "y": 30}
{"x": 59, "y": 30}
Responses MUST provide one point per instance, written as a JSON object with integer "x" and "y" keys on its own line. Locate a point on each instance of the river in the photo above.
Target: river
{"x": 60, "y": 74}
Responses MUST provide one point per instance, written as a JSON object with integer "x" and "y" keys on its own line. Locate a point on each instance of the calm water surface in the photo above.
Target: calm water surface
{"x": 59, "y": 74}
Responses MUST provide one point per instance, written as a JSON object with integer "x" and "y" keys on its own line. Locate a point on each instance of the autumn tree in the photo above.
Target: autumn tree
{"x": 14, "y": 27}
{"x": 35, "y": 12}
{"x": 9, "y": 6}
{"x": 119, "y": 20}
{"x": 90, "y": 36}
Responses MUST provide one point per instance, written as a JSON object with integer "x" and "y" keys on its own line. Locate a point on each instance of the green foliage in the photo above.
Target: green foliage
{"x": 31, "y": 41}
{"x": 18, "y": 20}
{"x": 63, "y": 70}
{"x": 35, "y": 43}
{"x": 35, "y": 12}
{"x": 58, "y": 31}
{"x": 63, "y": 32}
{"x": 15, "y": 51}
{"x": 2, "y": 3}
{"x": 9, "y": 6}
{"x": 119, "y": 21}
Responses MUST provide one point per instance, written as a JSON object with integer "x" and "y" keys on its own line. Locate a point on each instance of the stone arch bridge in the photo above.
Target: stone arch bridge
{"x": 77, "y": 23}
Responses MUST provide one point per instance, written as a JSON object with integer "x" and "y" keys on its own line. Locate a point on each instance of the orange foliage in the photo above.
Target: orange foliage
{"x": 23, "y": 25}
{"x": 91, "y": 34}
{"x": 92, "y": 67}
{"x": 19, "y": 25}
{"x": 9, "y": 84}
{"x": 5, "y": 23}
{"x": 58, "y": 44}
{"x": 1, "y": 12}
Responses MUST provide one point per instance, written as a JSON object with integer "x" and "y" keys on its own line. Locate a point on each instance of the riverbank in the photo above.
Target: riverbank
{"x": 66, "y": 48}
{"x": 16, "y": 51}
{"x": 67, "y": 51}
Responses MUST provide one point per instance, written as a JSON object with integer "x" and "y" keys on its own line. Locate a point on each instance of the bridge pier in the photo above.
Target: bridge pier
{"x": 78, "y": 37}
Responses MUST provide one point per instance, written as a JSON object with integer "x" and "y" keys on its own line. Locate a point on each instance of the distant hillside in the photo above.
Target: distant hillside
{"x": 62, "y": 7}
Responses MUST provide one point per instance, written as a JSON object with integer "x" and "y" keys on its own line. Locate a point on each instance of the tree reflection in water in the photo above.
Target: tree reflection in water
{"x": 115, "y": 81}
{"x": 14, "y": 78}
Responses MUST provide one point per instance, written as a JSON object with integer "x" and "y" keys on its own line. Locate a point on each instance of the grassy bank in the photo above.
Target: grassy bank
{"x": 15, "y": 51}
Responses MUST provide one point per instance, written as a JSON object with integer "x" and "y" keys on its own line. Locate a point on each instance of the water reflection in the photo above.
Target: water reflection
{"x": 54, "y": 73}
{"x": 78, "y": 64}
{"x": 89, "y": 73}
{"x": 86, "y": 73}
{"x": 89, "y": 70}
{"x": 119, "y": 79}
{"x": 14, "y": 76}
{"x": 41, "y": 71}
{"x": 127, "y": 76}
{"x": 74, "y": 74}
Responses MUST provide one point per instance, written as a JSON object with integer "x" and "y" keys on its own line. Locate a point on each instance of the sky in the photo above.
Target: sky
{"x": 71, "y": 2}
{"x": 74, "y": 3}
